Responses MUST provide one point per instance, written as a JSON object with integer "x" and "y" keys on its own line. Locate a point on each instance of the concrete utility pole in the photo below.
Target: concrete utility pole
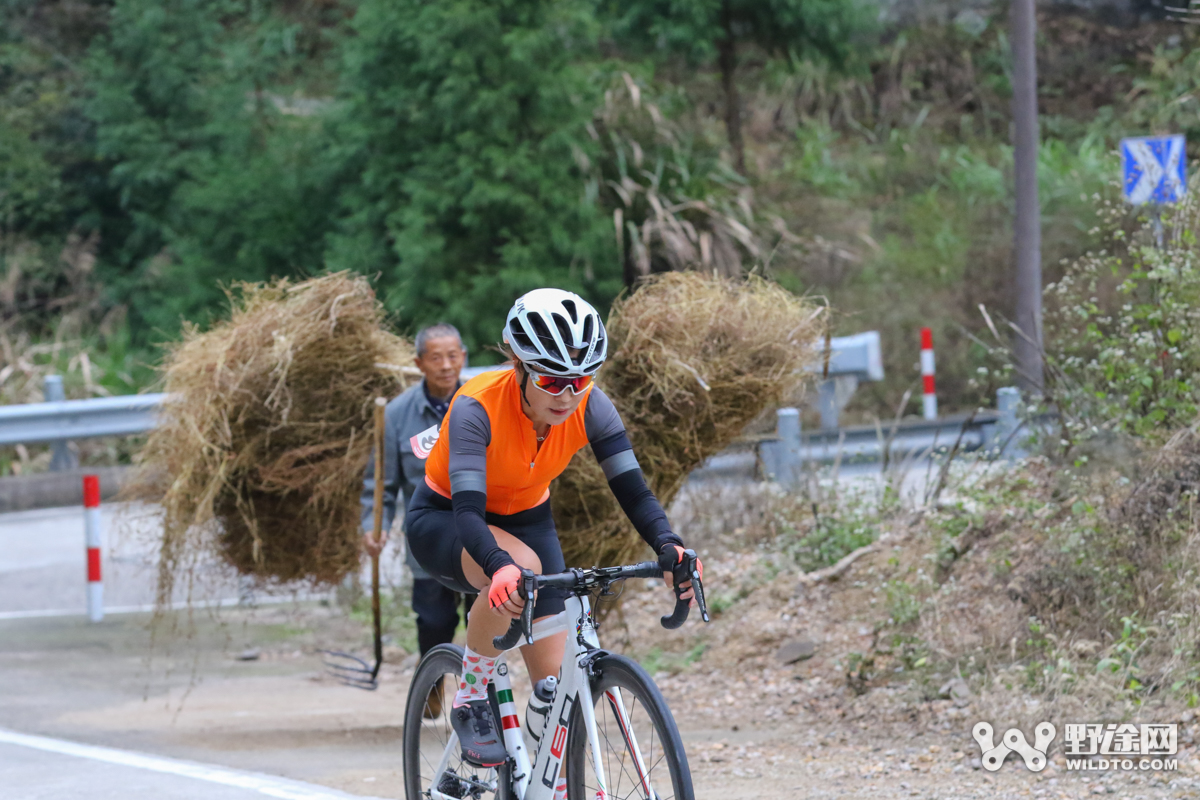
{"x": 1028, "y": 229}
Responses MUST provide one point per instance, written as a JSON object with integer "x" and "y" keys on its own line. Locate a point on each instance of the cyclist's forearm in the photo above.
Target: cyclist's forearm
{"x": 471, "y": 524}
{"x": 643, "y": 509}
{"x": 628, "y": 484}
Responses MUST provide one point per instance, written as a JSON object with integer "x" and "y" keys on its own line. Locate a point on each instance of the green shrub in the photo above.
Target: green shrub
{"x": 1123, "y": 329}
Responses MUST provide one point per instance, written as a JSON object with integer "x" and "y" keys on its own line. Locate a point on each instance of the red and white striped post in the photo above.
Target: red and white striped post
{"x": 930, "y": 399}
{"x": 91, "y": 527}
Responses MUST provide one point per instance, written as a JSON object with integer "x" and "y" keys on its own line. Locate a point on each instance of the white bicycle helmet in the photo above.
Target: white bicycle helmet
{"x": 545, "y": 324}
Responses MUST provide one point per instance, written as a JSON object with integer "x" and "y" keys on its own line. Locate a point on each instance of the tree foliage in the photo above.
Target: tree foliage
{"x": 468, "y": 121}
{"x": 708, "y": 30}
{"x": 218, "y": 177}
{"x": 49, "y": 181}
{"x": 459, "y": 150}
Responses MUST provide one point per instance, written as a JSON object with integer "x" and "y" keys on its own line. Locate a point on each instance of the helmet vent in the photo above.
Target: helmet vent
{"x": 520, "y": 339}
{"x": 542, "y": 331}
{"x": 569, "y": 305}
{"x": 564, "y": 330}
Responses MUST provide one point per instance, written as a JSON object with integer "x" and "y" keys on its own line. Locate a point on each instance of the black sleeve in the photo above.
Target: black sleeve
{"x": 643, "y": 509}
{"x": 470, "y": 433}
{"x": 471, "y": 523}
{"x": 610, "y": 445}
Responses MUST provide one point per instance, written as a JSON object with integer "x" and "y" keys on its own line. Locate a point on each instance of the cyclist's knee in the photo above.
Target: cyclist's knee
{"x": 527, "y": 560}
{"x": 520, "y": 552}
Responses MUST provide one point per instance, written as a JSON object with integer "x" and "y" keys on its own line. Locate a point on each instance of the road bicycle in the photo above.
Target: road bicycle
{"x": 608, "y": 734}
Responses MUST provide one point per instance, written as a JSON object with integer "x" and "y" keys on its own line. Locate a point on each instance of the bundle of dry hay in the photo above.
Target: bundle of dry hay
{"x": 260, "y": 449}
{"x": 693, "y": 359}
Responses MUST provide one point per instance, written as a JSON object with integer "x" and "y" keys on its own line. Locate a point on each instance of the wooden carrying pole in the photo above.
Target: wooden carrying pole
{"x": 377, "y": 530}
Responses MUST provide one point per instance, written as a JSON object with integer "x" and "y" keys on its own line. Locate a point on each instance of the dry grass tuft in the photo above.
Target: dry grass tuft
{"x": 694, "y": 358}
{"x": 1074, "y": 594}
{"x": 260, "y": 451}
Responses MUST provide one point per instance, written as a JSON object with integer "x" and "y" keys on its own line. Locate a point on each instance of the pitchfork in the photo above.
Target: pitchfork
{"x": 350, "y": 669}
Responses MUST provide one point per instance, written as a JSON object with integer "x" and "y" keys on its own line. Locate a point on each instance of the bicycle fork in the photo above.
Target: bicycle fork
{"x": 617, "y": 704}
{"x": 549, "y": 770}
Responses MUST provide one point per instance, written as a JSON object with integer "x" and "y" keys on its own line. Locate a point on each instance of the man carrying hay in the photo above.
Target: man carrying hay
{"x": 416, "y": 413}
{"x": 483, "y": 512}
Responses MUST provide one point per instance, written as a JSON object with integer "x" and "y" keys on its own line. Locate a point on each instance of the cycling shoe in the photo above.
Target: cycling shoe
{"x": 477, "y": 734}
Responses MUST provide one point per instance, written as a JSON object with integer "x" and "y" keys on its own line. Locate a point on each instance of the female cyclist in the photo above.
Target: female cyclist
{"x": 484, "y": 511}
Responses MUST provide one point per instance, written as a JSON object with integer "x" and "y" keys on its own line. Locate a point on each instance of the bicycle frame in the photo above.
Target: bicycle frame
{"x": 537, "y": 780}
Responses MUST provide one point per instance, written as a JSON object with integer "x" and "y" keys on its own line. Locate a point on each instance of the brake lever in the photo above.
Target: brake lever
{"x": 681, "y": 571}
{"x": 529, "y": 587}
{"x": 522, "y": 625}
{"x": 697, "y": 585}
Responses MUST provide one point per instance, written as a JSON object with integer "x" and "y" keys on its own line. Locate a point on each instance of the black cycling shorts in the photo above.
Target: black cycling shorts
{"x": 435, "y": 543}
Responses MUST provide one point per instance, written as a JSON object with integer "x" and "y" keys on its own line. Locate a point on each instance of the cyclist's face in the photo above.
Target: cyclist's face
{"x": 441, "y": 363}
{"x": 544, "y": 408}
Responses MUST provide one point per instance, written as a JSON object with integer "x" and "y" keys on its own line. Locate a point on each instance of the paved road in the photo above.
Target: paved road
{"x": 40, "y": 768}
{"x": 42, "y": 559}
{"x": 43, "y": 569}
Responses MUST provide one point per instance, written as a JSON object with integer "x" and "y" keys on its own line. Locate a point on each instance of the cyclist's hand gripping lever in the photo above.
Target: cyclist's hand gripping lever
{"x": 522, "y": 625}
{"x": 683, "y": 570}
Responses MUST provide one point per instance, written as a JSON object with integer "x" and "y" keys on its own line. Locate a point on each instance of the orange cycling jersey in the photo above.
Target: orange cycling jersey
{"x": 486, "y": 460}
{"x": 518, "y": 473}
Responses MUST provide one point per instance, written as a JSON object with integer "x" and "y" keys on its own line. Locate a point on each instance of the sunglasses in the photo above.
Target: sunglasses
{"x": 554, "y": 385}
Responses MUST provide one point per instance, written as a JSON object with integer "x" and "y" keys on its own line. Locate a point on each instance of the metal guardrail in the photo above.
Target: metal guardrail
{"x": 909, "y": 439}
{"x": 774, "y": 457}
{"x": 780, "y": 457}
{"x": 64, "y": 420}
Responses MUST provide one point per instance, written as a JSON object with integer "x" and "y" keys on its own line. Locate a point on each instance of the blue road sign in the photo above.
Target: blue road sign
{"x": 1154, "y": 169}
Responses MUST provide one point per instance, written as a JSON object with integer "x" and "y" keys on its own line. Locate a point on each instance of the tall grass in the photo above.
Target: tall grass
{"x": 54, "y": 321}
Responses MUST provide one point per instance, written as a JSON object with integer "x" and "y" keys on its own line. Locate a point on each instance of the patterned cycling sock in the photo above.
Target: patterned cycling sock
{"x": 478, "y": 672}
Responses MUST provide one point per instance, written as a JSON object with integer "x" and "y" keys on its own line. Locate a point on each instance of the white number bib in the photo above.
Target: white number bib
{"x": 423, "y": 442}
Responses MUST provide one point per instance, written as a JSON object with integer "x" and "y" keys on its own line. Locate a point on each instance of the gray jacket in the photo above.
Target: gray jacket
{"x": 404, "y": 417}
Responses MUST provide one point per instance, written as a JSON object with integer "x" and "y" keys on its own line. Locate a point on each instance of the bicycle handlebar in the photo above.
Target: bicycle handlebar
{"x": 683, "y": 571}
{"x": 581, "y": 579}
{"x": 524, "y": 623}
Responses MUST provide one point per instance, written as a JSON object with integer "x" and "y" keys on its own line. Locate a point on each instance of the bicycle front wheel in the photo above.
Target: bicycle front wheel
{"x": 432, "y": 758}
{"x": 639, "y": 745}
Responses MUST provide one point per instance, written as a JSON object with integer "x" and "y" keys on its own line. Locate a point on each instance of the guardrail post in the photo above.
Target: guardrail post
{"x": 61, "y": 457}
{"x": 787, "y": 428}
{"x": 1007, "y": 442}
{"x": 827, "y": 404}
{"x": 91, "y": 527}
{"x": 832, "y": 396}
